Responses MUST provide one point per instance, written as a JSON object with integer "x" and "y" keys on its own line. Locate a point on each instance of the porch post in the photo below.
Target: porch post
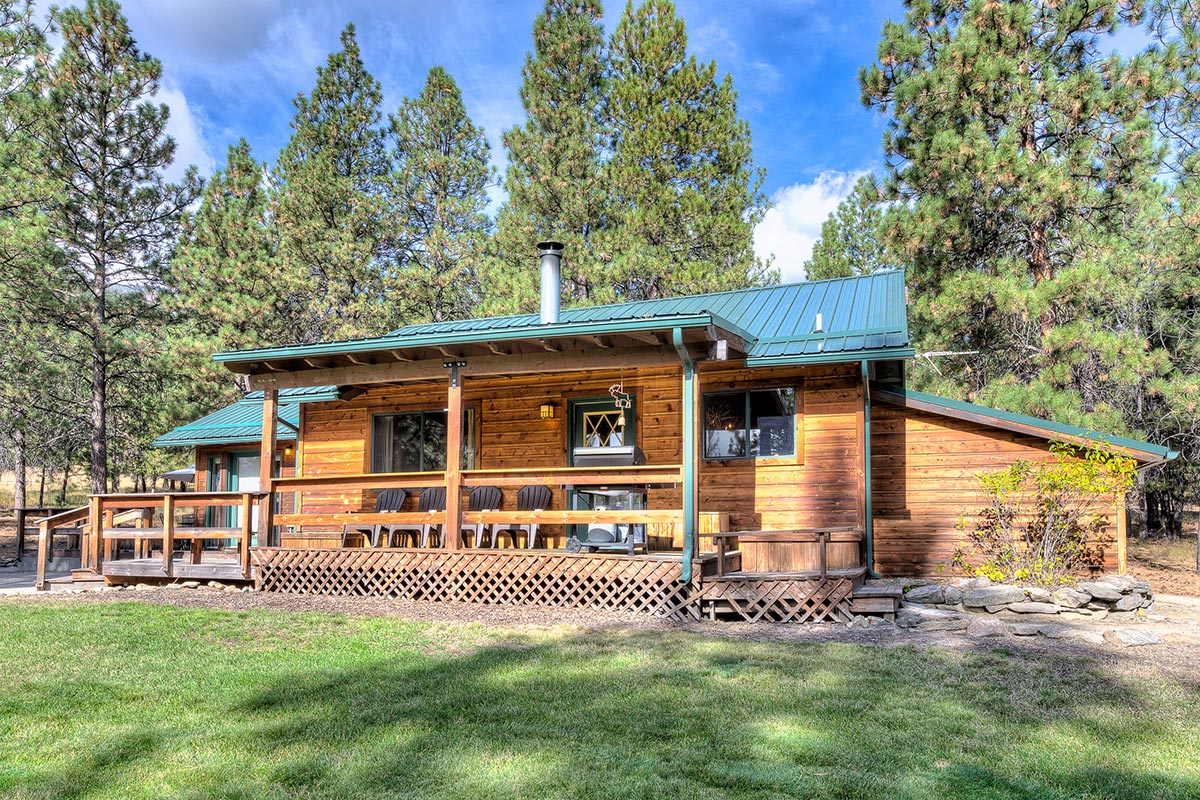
{"x": 691, "y": 494}
{"x": 868, "y": 513}
{"x": 266, "y": 466}
{"x": 454, "y": 440}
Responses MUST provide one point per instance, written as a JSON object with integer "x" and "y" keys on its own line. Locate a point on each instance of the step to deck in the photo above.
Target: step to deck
{"x": 874, "y": 598}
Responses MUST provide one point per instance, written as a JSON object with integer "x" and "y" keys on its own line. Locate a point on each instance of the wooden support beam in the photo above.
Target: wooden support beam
{"x": 316, "y": 363}
{"x": 432, "y": 369}
{"x": 271, "y": 367}
{"x": 644, "y": 338}
{"x": 454, "y": 443}
{"x": 357, "y": 360}
{"x": 348, "y": 393}
{"x": 498, "y": 349}
{"x": 96, "y": 522}
{"x": 732, "y": 340}
{"x": 603, "y": 342}
{"x": 448, "y": 353}
{"x": 168, "y": 535}
{"x": 266, "y": 466}
{"x": 400, "y": 355}
{"x": 550, "y": 346}
{"x": 244, "y": 542}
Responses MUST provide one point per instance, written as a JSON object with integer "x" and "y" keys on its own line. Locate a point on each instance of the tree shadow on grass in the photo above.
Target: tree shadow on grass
{"x": 651, "y": 715}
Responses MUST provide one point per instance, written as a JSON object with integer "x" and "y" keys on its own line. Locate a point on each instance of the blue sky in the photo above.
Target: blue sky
{"x": 232, "y": 68}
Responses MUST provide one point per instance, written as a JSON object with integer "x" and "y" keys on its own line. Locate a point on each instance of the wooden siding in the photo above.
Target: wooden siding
{"x": 818, "y": 487}
{"x": 923, "y": 481}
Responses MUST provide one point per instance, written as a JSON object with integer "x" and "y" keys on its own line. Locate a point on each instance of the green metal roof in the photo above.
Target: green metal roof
{"x": 242, "y": 421}
{"x": 1047, "y": 428}
{"x": 862, "y": 317}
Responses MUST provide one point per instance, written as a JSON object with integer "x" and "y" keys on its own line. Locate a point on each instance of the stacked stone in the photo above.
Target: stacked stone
{"x": 1116, "y": 597}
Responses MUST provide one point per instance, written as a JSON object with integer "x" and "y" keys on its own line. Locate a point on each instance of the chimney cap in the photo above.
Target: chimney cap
{"x": 549, "y": 245}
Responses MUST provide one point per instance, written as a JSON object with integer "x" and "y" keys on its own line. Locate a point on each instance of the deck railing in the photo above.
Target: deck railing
{"x": 105, "y": 513}
{"x": 555, "y": 477}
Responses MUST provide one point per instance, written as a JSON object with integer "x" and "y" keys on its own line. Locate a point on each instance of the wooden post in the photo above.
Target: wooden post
{"x": 168, "y": 534}
{"x": 43, "y": 552}
{"x": 109, "y": 545}
{"x": 1122, "y": 535}
{"x": 244, "y": 544}
{"x": 96, "y": 523}
{"x": 266, "y": 467}
{"x": 454, "y": 442}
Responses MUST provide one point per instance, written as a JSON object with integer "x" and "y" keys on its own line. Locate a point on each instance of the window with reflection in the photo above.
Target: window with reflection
{"x": 752, "y": 423}
{"x": 415, "y": 441}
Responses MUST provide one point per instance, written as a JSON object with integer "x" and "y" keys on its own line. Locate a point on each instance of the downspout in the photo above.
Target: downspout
{"x": 689, "y": 454}
{"x": 868, "y": 510}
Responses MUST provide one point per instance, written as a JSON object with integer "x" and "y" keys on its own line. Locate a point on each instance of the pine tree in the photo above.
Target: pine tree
{"x": 114, "y": 219}
{"x": 439, "y": 190}
{"x": 227, "y": 289}
{"x": 682, "y": 192}
{"x": 553, "y": 179}
{"x": 23, "y": 191}
{"x": 329, "y": 206}
{"x": 853, "y": 238}
{"x": 1022, "y": 152}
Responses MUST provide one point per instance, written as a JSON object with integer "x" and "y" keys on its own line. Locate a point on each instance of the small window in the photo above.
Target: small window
{"x": 756, "y": 423}
{"x": 416, "y": 441}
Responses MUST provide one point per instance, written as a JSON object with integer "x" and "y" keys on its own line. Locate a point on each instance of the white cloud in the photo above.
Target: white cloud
{"x": 184, "y": 128}
{"x": 793, "y": 224}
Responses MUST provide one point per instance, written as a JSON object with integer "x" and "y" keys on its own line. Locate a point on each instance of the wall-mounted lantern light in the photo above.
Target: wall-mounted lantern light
{"x": 546, "y": 411}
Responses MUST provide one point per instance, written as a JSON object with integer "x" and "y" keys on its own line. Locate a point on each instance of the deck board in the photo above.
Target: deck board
{"x": 213, "y": 567}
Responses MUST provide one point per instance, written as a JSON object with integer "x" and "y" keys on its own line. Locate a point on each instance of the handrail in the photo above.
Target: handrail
{"x": 819, "y": 536}
{"x": 547, "y": 476}
{"x": 46, "y": 529}
{"x": 101, "y": 508}
{"x": 368, "y": 480}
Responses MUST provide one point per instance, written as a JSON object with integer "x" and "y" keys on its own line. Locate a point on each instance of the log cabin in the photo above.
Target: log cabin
{"x": 753, "y": 452}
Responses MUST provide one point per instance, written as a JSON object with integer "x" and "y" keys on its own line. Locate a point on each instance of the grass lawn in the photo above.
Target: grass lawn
{"x": 131, "y": 700}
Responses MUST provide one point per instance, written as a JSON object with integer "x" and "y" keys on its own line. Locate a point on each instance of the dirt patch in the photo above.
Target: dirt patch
{"x": 1170, "y": 567}
{"x": 1173, "y": 658}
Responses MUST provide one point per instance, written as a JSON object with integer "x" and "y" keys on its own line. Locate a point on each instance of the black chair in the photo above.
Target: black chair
{"x": 530, "y": 498}
{"x": 431, "y": 500}
{"x": 387, "y": 500}
{"x": 482, "y": 498}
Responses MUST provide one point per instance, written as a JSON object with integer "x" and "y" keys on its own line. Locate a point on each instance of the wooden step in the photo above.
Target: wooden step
{"x": 874, "y": 605}
{"x": 877, "y": 598}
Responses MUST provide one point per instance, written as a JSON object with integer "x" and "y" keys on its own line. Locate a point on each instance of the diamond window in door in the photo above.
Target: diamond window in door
{"x": 603, "y": 429}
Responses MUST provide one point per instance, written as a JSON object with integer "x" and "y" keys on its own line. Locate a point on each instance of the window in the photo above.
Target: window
{"x": 756, "y": 423}
{"x": 416, "y": 441}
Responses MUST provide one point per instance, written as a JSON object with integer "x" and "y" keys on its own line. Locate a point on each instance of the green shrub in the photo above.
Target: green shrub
{"x": 1041, "y": 525}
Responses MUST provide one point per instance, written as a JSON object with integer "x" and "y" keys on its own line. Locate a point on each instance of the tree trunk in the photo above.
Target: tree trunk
{"x": 98, "y": 420}
{"x": 42, "y": 488}
{"x": 18, "y": 440}
{"x": 62, "y": 497}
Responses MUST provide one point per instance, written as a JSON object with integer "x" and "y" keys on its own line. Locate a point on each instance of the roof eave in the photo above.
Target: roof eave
{"x": 532, "y": 332}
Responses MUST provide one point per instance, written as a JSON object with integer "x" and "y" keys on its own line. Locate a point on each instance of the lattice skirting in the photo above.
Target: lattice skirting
{"x": 781, "y": 600}
{"x": 549, "y": 578}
